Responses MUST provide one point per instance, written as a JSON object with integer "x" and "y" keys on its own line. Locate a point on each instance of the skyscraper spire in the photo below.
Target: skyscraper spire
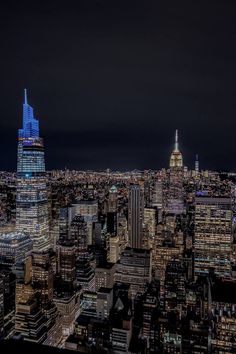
{"x": 25, "y": 96}
{"x": 176, "y": 159}
{"x": 30, "y": 126}
{"x": 176, "y": 141}
{"x": 32, "y": 202}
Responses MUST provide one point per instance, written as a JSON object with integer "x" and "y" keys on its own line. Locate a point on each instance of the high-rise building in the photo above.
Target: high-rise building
{"x": 149, "y": 226}
{"x": 35, "y": 312}
{"x": 176, "y": 158}
{"x": 112, "y": 223}
{"x": 175, "y": 202}
{"x": 31, "y": 200}
{"x": 104, "y": 302}
{"x": 113, "y": 253}
{"x": 157, "y": 199}
{"x": 65, "y": 218}
{"x": 66, "y": 257}
{"x": 196, "y": 164}
{"x": 79, "y": 235}
{"x": 104, "y": 276}
{"x": 135, "y": 216}
{"x": 42, "y": 276}
{"x": 112, "y": 200}
{"x": 213, "y": 235}
{"x": 89, "y": 210}
{"x": 134, "y": 268}
{"x": 85, "y": 275}
{"x": 30, "y": 320}
{"x": 14, "y": 248}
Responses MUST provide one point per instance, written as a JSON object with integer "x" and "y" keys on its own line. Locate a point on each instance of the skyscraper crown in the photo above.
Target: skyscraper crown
{"x": 30, "y": 124}
{"x": 176, "y": 158}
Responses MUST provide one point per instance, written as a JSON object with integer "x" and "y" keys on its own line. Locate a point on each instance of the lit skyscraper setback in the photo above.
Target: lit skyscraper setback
{"x": 31, "y": 200}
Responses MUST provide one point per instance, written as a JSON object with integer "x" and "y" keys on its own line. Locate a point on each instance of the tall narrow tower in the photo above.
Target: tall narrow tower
{"x": 175, "y": 203}
{"x": 196, "y": 164}
{"x": 176, "y": 158}
{"x": 31, "y": 199}
{"x": 135, "y": 216}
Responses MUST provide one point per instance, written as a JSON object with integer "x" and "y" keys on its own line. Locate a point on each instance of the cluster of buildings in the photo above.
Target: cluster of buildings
{"x": 117, "y": 262}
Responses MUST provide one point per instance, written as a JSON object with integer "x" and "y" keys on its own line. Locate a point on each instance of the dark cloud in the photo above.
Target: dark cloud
{"x": 110, "y": 81}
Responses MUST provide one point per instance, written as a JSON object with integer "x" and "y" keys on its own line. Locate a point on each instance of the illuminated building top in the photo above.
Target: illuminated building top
{"x": 30, "y": 124}
{"x": 176, "y": 158}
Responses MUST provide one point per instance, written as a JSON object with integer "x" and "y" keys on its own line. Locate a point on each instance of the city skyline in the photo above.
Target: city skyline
{"x": 34, "y": 129}
{"x": 118, "y": 177}
{"x": 113, "y": 82}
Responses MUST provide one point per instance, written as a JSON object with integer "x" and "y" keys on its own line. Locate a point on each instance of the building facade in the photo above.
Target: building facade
{"x": 31, "y": 201}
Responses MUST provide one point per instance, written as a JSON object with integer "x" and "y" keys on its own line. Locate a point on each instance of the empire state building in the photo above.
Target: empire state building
{"x": 31, "y": 199}
{"x": 176, "y": 158}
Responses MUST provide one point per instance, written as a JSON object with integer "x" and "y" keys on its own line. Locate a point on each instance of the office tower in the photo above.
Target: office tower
{"x": 42, "y": 276}
{"x": 112, "y": 223}
{"x": 104, "y": 302}
{"x": 89, "y": 210}
{"x": 147, "y": 314}
{"x": 99, "y": 243}
{"x": 66, "y": 248}
{"x": 79, "y": 235}
{"x": 175, "y": 281}
{"x": 85, "y": 275}
{"x": 222, "y": 306}
{"x": 175, "y": 197}
{"x": 134, "y": 268}
{"x": 149, "y": 227}
{"x": 65, "y": 218}
{"x": 213, "y": 235}
{"x": 66, "y": 294}
{"x": 14, "y": 248}
{"x": 113, "y": 253}
{"x": 157, "y": 194}
{"x": 84, "y": 272}
{"x": 9, "y": 283}
{"x": 30, "y": 320}
{"x": 97, "y": 235}
{"x": 88, "y": 303}
{"x": 157, "y": 200}
{"x": 31, "y": 200}
{"x": 135, "y": 216}
{"x": 121, "y": 331}
{"x": 112, "y": 200}
{"x": 66, "y": 257}
{"x": 165, "y": 248}
{"x": 42, "y": 283}
{"x": 196, "y": 164}
{"x": 68, "y": 306}
{"x": 104, "y": 276}
{"x": 176, "y": 158}
{"x": 123, "y": 234}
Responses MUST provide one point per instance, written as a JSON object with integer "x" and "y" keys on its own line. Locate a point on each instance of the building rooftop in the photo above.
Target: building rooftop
{"x": 105, "y": 266}
{"x": 105, "y": 290}
{"x": 13, "y": 237}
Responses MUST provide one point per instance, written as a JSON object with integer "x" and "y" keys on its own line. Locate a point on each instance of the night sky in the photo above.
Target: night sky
{"x": 111, "y": 80}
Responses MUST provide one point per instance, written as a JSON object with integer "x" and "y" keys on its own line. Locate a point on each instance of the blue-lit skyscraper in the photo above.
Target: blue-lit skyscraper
{"x": 31, "y": 201}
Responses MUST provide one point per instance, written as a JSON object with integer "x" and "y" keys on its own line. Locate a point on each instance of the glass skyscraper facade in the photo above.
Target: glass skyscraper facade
{"x": 31, "y": 201}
